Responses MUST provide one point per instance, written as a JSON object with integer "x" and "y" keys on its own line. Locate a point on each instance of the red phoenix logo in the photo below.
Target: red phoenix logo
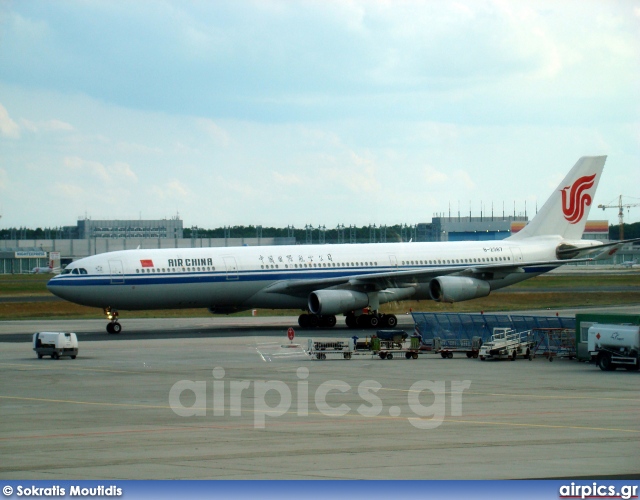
{"x": 573, "y": 208}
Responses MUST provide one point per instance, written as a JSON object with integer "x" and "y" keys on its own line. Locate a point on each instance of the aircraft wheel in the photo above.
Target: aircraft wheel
{"x": 604, "y": 362}
{"x": 109, "y": 327}
{"x": 363, "y": 321}
{"x": 303, "y": 321}
{"x": 351, "y": 321}
{"x": 390, "y": 321}
{"x": 314, "y": 321}
{"x": 374, "y": 321}
{"x": 117, "y": 328}
{"x": 328, "y": 321}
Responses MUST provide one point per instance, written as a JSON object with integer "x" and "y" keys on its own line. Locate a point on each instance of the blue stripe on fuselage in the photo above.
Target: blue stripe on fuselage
{"x": 239, "y": 276}
{"x": 208, "y": 277}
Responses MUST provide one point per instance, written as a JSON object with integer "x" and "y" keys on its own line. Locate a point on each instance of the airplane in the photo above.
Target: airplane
{"x": 629, "y": 263}
{"x": 328, "y": 280}
{"x": 49, "y": 269}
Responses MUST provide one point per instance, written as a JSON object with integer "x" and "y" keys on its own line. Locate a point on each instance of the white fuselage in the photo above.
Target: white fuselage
{"x": 224, "y": 278}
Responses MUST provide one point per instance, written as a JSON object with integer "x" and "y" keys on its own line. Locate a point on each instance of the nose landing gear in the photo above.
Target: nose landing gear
{"x": 112, "y": 316}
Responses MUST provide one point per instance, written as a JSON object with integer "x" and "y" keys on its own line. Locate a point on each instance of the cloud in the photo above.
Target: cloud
{"x": 433, "y": 176}
{"x": 214, "y": 131}
{"x": 8, "y": 127}
{"x": 354, "y": 172}
{"x": 287, "y": 179}
{"x": 171, "y": 190}
{"x": 46, "y": 126}
{"x": 349, "y": 107}
{"x": 465, "y": 179}
{"x": 69, "y": 190}
{"x": 118, "y": 172}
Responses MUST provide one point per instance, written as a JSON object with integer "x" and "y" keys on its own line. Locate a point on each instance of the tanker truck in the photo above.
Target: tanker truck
{"x": 613, "y": 346}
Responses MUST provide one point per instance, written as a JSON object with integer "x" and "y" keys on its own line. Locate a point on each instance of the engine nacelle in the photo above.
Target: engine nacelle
{"x": 457, "y": 288}
{"x": 326, "y": 302}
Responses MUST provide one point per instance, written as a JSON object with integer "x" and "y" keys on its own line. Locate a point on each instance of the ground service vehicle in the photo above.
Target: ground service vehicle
{"x": 55, "y": 344}
{"x": 507, "y": 344}
{"x": 613, "y": 346}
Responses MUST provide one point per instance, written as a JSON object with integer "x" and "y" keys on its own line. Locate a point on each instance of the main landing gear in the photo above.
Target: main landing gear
{"x": 112, "y": 316}
{"x": 315, "y": 320}
{"x": 371, "y": 320}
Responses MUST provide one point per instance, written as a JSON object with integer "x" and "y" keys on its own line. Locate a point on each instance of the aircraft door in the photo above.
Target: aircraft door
{"x": 232, "y": 268}
{"x": 517, "y": 255}
{"x": 117, "y": 272}
{"x": 393, "y": 261}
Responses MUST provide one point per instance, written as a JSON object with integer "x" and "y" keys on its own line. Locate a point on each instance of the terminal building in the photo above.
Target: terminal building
{"x": 165, "y": 228}
{"x": 469, "y": 228}
{"x": 491, "y": 228}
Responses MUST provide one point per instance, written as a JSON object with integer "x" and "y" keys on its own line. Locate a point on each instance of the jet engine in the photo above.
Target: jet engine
{"x": 327, "y": 302}
{"x": 457, "y": 288}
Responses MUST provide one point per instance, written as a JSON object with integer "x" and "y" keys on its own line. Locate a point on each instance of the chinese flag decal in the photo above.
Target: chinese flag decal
{"x": 146, "y": 263}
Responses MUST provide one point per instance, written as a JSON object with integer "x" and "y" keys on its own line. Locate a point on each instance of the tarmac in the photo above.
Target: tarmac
{"x": 229, "y": 398}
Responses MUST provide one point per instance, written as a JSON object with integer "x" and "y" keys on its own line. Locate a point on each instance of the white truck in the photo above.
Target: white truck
{"x": 55, "y": 344}
{"x": 613, "y": 346}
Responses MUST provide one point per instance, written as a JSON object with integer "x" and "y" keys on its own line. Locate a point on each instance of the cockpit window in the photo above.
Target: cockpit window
{"x": 83, "y": 271}
{"x": 66, "y": 271}
{"x": 75, "y": 271}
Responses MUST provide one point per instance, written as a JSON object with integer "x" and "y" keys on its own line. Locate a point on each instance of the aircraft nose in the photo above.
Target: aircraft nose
{"x": 56, "y": 289}
{"x": 52, "y": 287}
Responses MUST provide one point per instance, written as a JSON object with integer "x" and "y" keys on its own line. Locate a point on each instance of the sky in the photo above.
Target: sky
{"x": 328, "y": 112}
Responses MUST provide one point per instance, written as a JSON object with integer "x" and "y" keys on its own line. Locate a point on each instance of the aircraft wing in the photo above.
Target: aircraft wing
{"x": 406, "y": 278}
{"x": 363, "y": 282}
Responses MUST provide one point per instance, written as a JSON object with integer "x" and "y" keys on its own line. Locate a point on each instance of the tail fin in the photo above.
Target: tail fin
{"x": 566, "y": 211}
